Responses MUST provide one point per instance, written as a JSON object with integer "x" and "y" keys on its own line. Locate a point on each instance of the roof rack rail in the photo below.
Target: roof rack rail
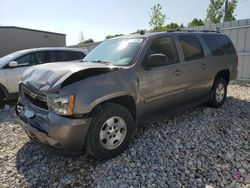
{"x": 207, "y": 30}
{"x": 190, "y": 30}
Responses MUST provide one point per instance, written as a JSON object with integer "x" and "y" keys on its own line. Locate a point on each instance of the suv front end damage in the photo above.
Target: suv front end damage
{"x": 66, "y": 134}
{"x": 50, "y": 108}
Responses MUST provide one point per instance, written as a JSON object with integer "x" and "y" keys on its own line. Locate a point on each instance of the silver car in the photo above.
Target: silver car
{"x": 13, "y": 65}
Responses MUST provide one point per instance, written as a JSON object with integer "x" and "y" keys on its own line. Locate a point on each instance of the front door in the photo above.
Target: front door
{"x": 14, "y": 74}
{"x": 163, "y": 85}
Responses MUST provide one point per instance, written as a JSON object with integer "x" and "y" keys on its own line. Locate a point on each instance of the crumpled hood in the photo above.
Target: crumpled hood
{"x": 51, "y": 76}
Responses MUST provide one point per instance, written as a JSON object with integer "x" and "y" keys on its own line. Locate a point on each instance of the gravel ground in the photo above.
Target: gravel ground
{"x": 195, "y": 148}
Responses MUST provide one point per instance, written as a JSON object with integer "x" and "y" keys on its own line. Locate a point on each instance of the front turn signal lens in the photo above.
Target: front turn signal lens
{"x": 71, "y": 102}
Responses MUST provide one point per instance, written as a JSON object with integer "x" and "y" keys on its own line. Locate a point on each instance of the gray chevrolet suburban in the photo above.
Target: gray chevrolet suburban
{"x": 97, "y": 104}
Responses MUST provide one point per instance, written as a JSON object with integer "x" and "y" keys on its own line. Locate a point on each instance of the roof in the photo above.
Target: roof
{"x": 149, "y": 34}
{"x": 21, "y": 28}
{"x": 53, "y": 49}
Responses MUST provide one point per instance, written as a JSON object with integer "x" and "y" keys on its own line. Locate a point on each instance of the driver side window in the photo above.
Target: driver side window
{"x": 24, "y": 60}
{"x": 31, "y": 59}
{"x": 166, "y": 46}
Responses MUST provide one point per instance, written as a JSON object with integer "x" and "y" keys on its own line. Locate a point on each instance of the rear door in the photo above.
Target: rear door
{"x": 163, "y": 85}
{"x": 194, "y": 65}
{"x": 74, "y": 55}
{"x": 222, "y": 54}
{"x": 68, "y": 55}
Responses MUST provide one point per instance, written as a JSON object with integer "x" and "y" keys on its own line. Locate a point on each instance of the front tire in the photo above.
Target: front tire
{"x": 110, "y": 131}
{"x": 218, "y": 93}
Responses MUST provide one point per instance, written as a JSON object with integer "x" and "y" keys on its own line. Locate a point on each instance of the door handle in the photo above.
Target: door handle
{"x": 177, "y": 73}
{"x": 204, "y": 66}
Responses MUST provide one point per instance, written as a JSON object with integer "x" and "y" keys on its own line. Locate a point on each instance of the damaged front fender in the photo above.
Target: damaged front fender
{"x": 83, "y": 74}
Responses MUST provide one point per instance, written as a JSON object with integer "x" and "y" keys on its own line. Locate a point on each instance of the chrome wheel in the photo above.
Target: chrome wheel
{"x": 220, "y": 93}
{"x": 113, "y": 133}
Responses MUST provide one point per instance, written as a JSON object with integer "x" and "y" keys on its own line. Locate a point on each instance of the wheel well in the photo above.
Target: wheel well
{"x": 126, "y": 101}
{"x": 223, "y": 74}
{"x": 2, "y": 94}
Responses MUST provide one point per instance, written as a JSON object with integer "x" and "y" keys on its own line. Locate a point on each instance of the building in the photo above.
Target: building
{"x": 16, "y": 38}
{"x": 239, "y": 33}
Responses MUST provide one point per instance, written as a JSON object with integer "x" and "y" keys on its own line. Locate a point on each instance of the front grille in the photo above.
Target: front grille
{"x": 37, "y": 102}
{"x": 37, "y": 99}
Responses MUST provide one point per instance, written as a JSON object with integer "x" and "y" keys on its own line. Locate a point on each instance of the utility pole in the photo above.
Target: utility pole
{"x": 226, "y": 10}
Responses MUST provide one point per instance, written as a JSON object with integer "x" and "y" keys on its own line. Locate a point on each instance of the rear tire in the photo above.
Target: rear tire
{"x": 110, "y": 131}
{"x": 218, "y": 93}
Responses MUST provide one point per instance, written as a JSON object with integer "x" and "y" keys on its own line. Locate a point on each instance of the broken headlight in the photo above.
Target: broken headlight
{"x": 62, "y": 105}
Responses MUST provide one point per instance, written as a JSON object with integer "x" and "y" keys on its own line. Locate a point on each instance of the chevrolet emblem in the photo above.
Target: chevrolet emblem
{"x": 33, "y": 95}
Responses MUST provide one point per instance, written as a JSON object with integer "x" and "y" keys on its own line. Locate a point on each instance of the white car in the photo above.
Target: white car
{"x": 13, "y": 65}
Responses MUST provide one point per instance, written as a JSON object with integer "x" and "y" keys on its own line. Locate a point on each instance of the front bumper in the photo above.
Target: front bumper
{"x": 65, "y": 135}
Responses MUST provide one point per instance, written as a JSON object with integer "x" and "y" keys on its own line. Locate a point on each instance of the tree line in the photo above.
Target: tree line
{"x": 218, "y": 11}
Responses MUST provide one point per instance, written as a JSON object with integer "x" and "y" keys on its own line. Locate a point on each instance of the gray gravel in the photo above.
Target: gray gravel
{"x": 195, "y": 148}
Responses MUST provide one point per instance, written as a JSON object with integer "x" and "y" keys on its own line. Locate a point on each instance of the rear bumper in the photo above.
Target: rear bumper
{"x": 62, "y": 134}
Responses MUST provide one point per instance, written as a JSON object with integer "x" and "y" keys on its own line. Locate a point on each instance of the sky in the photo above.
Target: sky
{"x": 98, "y": 18}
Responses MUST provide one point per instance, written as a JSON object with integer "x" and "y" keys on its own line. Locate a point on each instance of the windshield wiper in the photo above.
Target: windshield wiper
{"x": 104, "y": 62}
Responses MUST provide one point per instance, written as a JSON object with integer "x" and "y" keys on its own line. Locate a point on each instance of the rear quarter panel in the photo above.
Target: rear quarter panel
{"x": 219, "y": 63}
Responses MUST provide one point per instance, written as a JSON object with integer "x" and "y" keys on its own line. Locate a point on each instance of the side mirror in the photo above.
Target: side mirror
{"x": 156, "y": 60}
{"x": 13, "y": 64}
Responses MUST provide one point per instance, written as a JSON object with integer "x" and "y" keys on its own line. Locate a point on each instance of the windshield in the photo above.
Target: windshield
{"x": 115, "y": 51}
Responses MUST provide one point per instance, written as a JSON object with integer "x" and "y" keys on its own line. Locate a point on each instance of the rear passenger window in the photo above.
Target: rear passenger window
{"x": 219, "y": 45}
{"x": 61, "y": 56}
{"x": 51, "y": 56}
{"x": 74, "y": 55}
{"x": 191, "y": 47}
{"x": 68, "y": 55}
{"x": 38, "y": 58}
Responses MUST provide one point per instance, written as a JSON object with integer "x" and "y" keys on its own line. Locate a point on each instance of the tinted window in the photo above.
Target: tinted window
{"x": 60, "y": 56}
{"x": 191, "y": 47}
{"x": 49, "y": 56}
{"x": 74, "y": 55}
{"x": 52, "y": 56}
{"x": 219, "y": 45}
{"x": 68, "y": 55}
{"x": 37, "y": 58}
{"x": 166, "y": 46}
